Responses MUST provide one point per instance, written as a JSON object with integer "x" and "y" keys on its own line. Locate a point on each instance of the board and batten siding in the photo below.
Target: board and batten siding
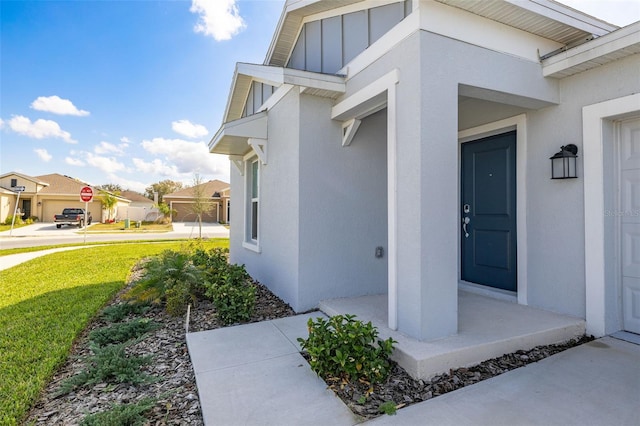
{"x": 328, "y": 44}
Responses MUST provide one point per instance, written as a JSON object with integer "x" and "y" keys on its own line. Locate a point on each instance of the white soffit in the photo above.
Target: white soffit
{"x": 605, "y": 49}
{"x": 232, "y": 137}
{"x": 544, "y": 18}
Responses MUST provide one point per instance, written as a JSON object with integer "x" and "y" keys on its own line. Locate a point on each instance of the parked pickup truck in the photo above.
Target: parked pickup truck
{"x": 71, "y": 217}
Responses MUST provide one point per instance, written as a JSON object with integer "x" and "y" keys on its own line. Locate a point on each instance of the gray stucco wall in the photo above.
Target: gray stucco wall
{"x": 277, "y": 265}
{"x": 556, "y": 219}
{"x": 343, "y": 206}
{"x": 323, "y": 207}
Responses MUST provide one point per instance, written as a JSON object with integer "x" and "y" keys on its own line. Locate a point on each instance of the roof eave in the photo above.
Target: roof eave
{"x": 602, "y": 50}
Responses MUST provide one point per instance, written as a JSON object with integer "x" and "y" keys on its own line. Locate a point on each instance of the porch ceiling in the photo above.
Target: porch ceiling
{"x": 233, "y": 137}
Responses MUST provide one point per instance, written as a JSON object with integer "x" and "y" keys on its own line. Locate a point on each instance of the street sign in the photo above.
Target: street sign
{"x": 19, "y": 188}
{"x": 86, "y": 194}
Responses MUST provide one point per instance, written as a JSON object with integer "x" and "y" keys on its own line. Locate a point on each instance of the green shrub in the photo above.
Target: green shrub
{"x": 122, "y": 332}
{"x": 162, "y": 273}
{"x": 116, "y": 313}
{"x": 178, "y": 297}
{"x": 109, "y": 364}
{"x": 213, "y": 263}
{"x": 121, "y": 414}
{"x": 234, "y": 303}
{"x": 18, "y": 221}
{"x": 346, "y": 348}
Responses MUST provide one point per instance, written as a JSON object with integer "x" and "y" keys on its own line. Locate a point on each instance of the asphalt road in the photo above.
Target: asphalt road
{"x": 42, "y": 234}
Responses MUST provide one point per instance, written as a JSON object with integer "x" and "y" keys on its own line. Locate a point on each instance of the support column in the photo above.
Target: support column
{"x": 428, "y": 204}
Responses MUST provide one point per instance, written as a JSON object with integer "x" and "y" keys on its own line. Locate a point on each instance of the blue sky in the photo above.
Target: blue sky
{"x": 130, "y": 92}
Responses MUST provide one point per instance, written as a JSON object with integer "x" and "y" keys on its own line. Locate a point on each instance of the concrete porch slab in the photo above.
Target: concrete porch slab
{"x": 487, "y": 328}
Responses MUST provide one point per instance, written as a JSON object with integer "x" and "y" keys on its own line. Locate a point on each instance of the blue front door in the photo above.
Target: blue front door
{"x": 489, "y": 211}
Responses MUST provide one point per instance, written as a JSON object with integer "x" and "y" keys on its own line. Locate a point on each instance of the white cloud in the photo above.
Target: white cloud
{"x": 124, "y": 142}
{"x": 127, "y": 184}
{"x": 188, "y": 157}
{"x": 106, "y": 148}
{"x": 74, "y": 162}
{"x": 219, "y": 19}
{"x": 39, "y": 129}
{"x": 43, "y": 154}
{"x": 189, "y": 129}
{"x": 57, "y": 105}
{"x": 1, "y": 123}
{"x": 106, "y": 164}
{"x": 155, "y": 167}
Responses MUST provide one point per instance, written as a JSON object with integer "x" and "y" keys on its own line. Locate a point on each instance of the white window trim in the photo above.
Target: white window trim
{"x": 248, "y": 242}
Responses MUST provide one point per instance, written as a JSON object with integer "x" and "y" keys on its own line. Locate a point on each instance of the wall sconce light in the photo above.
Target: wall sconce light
{"x": 563, "y": 163}
{"x": 39, "y": 203}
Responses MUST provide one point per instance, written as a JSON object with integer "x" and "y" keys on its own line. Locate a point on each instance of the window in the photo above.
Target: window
{"x": 252, "y": 221}
{"x": 14, "y": 183}
{"x": 254, "y": 200}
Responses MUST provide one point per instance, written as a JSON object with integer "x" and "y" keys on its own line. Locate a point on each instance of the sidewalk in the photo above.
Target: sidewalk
{"x": 253, "y": 375}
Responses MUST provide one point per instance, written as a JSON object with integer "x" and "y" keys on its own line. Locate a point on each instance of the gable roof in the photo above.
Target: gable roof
{"x": 25, "y": 177}
{"x": 545, "y": 18}
{"x": 135, "y": 197}
{"x": 210, "y": 187}
{"x": 62, "y": 185}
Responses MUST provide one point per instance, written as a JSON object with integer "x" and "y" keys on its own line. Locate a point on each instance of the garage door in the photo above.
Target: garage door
{"x": 184, "y": 213}
{"x": 630, "y": 223}
{"x": 50, "y": 208}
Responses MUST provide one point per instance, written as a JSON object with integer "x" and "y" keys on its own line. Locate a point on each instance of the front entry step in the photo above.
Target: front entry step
{"x": 487, "y": 328}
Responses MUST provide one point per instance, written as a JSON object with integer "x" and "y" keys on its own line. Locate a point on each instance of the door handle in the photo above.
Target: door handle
{"x": 465, "y": 222}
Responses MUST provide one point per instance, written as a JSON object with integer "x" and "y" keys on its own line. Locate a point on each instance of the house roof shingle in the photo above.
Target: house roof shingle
{"x": 135, "y": 197}
{"x": 60, "y": 184}
{"x": 210, "y": 188}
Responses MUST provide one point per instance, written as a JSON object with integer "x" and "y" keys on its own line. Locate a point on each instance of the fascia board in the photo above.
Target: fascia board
{"x": 236, "y": 133}
{"x": 276, "y": 76}
{"x": 566, "y": 15}
{"x": 619, "y": 40}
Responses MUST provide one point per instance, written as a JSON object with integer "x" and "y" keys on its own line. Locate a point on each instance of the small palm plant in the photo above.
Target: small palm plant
{"x": 172, "y": 278}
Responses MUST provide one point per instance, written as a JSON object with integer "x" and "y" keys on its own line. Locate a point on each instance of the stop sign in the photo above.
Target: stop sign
{"x": 86, "y": 194}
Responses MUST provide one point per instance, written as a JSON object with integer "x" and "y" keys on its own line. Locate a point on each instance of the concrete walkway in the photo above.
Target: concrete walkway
{"x": 12, "y": 260}
{"x": 253, "y": 375}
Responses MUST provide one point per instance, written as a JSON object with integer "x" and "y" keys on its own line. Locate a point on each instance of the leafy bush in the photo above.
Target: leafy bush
{"x": 347, "y": 348}
{"x": 109, "y": 364}
{"x": 234, "y": 302}
{"x": 18, "y": 221}
{"x": 117, "y": 313}
{"x": 121, "y": 414}
{"x": 122, "y": 332}
{"x": 178, "y": 298}
{"x": 213, "y": 263}
{"x": 163, "y": 273}
{"x": 228, "y": 286}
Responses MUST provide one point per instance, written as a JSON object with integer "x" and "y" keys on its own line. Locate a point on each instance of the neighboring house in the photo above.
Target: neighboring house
{"x": 404, "y": 148}
{"x": 182, "y": 202}
{"x": 45, "y": 196}
{"x": 140, "y": 208}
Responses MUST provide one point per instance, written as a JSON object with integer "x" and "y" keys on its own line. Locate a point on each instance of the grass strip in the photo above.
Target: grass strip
{"x": 46, "y": 303}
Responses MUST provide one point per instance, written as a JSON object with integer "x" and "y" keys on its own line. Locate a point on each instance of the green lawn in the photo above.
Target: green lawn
{"x": 47, "y": 302}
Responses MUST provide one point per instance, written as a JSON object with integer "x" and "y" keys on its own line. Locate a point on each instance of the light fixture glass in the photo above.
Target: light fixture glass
{"x": 564, "y": 163}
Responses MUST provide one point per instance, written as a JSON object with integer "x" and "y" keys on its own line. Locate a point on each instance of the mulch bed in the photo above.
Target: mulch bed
{"x": 176, "y": 391}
